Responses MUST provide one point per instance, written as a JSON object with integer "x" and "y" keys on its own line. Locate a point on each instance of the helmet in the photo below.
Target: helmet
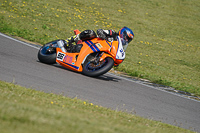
{"x": 126, "y": 36}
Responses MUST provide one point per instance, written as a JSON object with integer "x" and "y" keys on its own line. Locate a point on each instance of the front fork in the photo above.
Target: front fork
{"x": 98, "y": 57}
{"x": 104, "y": 55}
{"x": 101, "y": 56}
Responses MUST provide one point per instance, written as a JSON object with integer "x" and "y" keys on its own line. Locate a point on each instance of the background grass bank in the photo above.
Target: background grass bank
{"x": 29, "y": 111}
{"x": 166, "y": 46}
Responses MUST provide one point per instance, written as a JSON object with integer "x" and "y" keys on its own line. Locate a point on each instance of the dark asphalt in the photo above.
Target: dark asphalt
{"x": 19, "y": 64}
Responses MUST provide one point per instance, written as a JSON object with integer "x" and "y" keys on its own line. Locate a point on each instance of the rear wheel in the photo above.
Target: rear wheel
{"x": 94, "y": 69}
{"x": 47, "y": 53}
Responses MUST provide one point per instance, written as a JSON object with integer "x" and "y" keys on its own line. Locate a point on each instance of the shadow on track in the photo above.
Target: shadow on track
{"x": 107, "y": 78}
{"x": 102, "y": 77}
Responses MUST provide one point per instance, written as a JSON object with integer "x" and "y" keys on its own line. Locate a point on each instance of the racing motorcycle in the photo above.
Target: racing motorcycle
{"x": 92, "y": 57}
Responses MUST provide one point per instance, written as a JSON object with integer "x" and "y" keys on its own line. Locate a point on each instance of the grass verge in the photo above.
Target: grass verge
{"x": 30, "y": 111}
{"x": 165, "y": 49}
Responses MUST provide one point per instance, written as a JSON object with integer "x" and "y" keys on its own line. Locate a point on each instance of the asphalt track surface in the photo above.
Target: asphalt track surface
{"x": 19, "y": 64}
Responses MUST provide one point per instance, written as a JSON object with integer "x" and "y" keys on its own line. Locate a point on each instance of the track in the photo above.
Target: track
{"x": 19, "y": 64}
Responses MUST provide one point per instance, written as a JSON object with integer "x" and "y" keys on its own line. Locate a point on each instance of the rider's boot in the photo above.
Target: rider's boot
{"x": 72, "y": 39}
{"x": 71, "y": 42}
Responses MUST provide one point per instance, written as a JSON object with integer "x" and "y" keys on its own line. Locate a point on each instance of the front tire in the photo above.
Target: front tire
{"x": 95, "y": 70}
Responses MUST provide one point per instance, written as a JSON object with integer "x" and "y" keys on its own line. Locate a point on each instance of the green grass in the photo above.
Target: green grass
{"x": 165, "y": 49}
{"x": 29, "y": 111}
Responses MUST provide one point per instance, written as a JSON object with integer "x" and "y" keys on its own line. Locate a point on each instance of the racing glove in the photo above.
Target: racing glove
{"x": 107, "y": 34}
{"x": 101, "y": 34}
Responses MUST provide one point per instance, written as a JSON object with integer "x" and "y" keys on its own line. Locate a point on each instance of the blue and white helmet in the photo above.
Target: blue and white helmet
{"x": 126, "y": 36}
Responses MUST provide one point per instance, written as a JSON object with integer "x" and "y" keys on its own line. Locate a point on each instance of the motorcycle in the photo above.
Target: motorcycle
{"x": 92, "y": 57}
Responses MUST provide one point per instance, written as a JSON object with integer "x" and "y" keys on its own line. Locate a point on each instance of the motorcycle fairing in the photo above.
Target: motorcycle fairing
{"x": 120, "y": 51}
{"x": 74, "y": 61}
{"x": 92, "y": 46}
{"x": 67, "y": 60}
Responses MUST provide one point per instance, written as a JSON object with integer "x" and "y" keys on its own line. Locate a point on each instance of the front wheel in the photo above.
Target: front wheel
{"x": 90, "y": 68}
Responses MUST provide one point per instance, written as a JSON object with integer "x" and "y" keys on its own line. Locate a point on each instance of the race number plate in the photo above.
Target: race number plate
{"x": 60, "y": 56}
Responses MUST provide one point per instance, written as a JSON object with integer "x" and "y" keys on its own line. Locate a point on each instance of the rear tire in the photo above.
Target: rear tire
{"x": 95, "y": 70}
{"x": 45, "y": 56}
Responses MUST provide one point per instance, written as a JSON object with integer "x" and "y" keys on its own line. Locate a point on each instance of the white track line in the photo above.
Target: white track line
{"x": 30, "y": 45}
{"x": 157, "y": 88}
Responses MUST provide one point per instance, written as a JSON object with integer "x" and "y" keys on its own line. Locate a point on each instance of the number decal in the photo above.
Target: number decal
{"x": 122, "y": 51}
{"x": 99, "y": 45}
{"x": 64, "y": 58}
{"x": 68, "y": 59}
{"x": 60, "y": 56}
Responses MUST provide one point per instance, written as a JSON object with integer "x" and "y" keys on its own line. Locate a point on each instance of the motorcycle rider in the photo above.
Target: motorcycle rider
{"x": 126, "y": 35}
